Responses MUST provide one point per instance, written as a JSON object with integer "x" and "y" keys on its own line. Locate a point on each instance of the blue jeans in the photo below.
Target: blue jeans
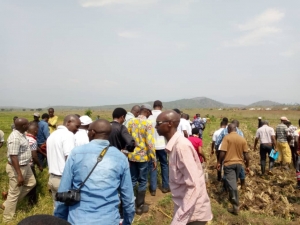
{"x": 139, "y": 173}
{"x": 161, "y": 156}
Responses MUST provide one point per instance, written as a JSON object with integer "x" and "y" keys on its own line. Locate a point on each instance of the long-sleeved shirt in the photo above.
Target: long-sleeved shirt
{"x": 142, "y": 131}
{"x": 187, "y": 182}
{"x": 43, "y": 132}
{"x": 99, "y": 195}
{"x": 120, "y": 138}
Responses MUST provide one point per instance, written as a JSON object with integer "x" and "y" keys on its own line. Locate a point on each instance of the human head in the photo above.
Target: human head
{"x": 187, "y": 116}
{"x": 77, "y": 115}
{"x": 33, "y": 128}
{"x": 119, "y": 114}
{"x": 45, "y": 117}
{"x": 99, "y": 129}
{"x": 43, "y": 220}
{"x": 197, "y": 115}
{"x": 177, "y": 110}
{"x": 184, "y": 116}
{"x": 284, "y": 119}
{"x": 21, "y": 125}
{"x": 36, "y": 116}
{"x": 264, "y": 122}
{"x": 223, "y": 123}
{"x": 195, "y": 131}
{"x": 157, "y": 105}
{"x": 85, "y": 121}
{"x": 72, "y": 123}
{"x": 231, "y": 127}
{"x": 167, "y": 123}
{"x": 236, "y": 123}
{"x": 288, "y": 123}
{"x": 146, "y": 110}
{"x": 15, "y": 117}
{"x": 51, "y": 112}
{"x": 225, "y": 119}
{"x": 135, "y": 110}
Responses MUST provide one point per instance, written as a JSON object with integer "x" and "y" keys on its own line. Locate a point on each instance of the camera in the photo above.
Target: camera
{"x": 70, "y": 197}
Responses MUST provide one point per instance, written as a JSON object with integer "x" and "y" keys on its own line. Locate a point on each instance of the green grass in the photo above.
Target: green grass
{"x": 248, "y": 119}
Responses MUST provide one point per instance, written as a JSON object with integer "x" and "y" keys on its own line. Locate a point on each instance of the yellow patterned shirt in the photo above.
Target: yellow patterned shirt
{"x": 142, "y": 131}
{"x": 53, "y": 122}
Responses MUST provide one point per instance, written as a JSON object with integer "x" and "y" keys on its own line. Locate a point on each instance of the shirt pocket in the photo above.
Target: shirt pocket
{"x": 24, "y": 145}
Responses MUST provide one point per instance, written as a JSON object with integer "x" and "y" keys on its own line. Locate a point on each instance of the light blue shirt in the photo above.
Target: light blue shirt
{"x": 223, "y": 134}
{"x": 43, "y": 132}
{"x": 99, "y": 195}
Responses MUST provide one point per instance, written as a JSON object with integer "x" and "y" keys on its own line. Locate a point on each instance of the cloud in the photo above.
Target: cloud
{"x": 129, "y": 34}
{"x": 101, "y": 3}
{"x": 295, "y": 49}
{"x": 258, "y": 29}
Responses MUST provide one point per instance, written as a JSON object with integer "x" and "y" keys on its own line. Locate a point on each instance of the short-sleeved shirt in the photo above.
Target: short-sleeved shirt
{"x": 53, "y": 122}
{"x": 1, "y": 136}
{"x": 281, "y": 132}
{"x": 59, "y": 145}
{"x": 217, "y": 133}
{"x": 265, "y": 134}
{"x": 184, "y": 125}
{"x": 291, "y": 132}
{"x": 32, "y": 143}
{"x": 81, "y": 137}
{"x": 234, "y": 145}
{"x": 17, "y": 144}
{"x": 196, "y": 142}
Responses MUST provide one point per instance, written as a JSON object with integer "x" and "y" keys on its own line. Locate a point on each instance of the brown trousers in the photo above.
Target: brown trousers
{"x": 16, "y": 193}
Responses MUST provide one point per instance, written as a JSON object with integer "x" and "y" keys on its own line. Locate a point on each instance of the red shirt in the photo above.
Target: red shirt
{"x": 196, "y": 142}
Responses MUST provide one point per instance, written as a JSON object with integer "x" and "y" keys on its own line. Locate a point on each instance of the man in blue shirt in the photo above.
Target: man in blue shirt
{"x": 43, "y": 134}
{"x": 99, "y": 195}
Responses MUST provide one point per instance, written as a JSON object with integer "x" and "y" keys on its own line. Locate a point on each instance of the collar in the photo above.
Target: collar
{"x": 30, "y": 135}
{"x": 101, "y": 142}
{"x": 233, "y": 132}
{"x": 172, "y": 141}
{"x": 62, "y": 127}
{"x": 130, "y": 113}
{"x": 19, "y": 133}
{"x": 142, "y": 117}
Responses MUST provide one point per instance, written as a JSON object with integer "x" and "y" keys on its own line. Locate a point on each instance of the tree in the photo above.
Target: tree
{"x": 24, "y": 109}
{"x": 39, "y": 109}
{"x": 88, "y": 112}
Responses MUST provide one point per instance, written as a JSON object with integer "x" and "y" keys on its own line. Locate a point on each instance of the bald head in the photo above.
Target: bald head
{"x": 21, "y": 124}
{"x": 72, "y": 122}
{"x": 136, "y": 110}
{"x": 167, "y": 123}
{"x": 231, "y": 128}
{"x": 99, "y": 129}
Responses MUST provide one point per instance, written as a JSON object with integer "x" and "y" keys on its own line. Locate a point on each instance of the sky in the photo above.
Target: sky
{"x": 101, "y": 52}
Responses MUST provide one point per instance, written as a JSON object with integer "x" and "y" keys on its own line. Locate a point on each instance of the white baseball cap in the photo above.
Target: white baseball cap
{"x": 85, "y": 120}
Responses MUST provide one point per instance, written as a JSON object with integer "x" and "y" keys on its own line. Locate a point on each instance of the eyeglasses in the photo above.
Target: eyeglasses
{"x": 158, "y": 123}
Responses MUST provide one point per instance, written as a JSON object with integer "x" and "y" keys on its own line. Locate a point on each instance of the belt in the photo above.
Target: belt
{"x": 55, "y": 175}
{"x": 19, "y": 165}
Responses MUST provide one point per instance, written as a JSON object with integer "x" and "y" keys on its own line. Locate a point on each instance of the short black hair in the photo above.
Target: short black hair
{"x": 51, "y": 109}
{"x": 187, "y": 116}
{"x": 223, "y": 123}
{"x": 43, "y": 220}
{"x": 177, "y": 110}
{"x": 157, "y": 103}
{"x": 119, "y": 112}
{"x": 195, "y": 130}
{"x": 15, "y": 117}
{"x": 225, "y": 119}
{"x": 236, "y": 123}
{"x": 45, "y": 115}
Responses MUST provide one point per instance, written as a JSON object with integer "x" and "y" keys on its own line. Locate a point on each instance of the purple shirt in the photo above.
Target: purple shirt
{"x": 187, "y": 182}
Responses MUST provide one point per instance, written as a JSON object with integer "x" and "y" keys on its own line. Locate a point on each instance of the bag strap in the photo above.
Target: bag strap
{"x": 99, "y": 159}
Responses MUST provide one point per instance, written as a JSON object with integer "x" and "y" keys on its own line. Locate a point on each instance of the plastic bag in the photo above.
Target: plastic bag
{"x": 274, "y": 154}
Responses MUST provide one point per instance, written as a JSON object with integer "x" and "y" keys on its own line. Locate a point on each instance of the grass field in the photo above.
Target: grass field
{"x": 258, "y": 206}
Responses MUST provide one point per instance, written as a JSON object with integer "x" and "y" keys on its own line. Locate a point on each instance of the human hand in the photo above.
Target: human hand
{"x": 41, "y": 168}
{"x": 212, "y": 152}
{"x": 20, "y": 180}
{"x": 218, "y": 166}
{"x": 154, "y": 165}
{"x": 247, "y": 170}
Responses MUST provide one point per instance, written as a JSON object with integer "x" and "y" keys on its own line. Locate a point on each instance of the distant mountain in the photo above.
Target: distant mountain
{"x": 192, "y": 103}
{"x": 265, "y": 103}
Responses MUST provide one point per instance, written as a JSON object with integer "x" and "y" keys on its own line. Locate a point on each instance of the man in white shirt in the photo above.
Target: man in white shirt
{"x": 59, "y": 145}
{"x": 214, "y": 139}
{"x": 1, "y": 138}
{"x": 183, "y": 126}
{"x": 161, "y": 155}
{"x": 135, "y": 111}
{"x": 81, "y": 136}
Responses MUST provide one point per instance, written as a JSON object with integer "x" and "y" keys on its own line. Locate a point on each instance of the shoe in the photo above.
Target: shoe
{"x": 141, "y": 207}
{"x": 165, "y": 190}
{"x": 234, "y": 210}
{"x": 270, "y": 173}
{"x": 4, "y": 195}
{"x": 153, "y": 193}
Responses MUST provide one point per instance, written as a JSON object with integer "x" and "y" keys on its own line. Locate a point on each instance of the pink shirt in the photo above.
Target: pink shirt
{"x": 187, "y": 182}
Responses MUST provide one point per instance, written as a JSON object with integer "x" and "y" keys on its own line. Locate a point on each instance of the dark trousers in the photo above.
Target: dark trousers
{"x": 294, "y": 155}
{"x": 162, "y": 157}
{"x": 231, "y": 173}
{"x": 197, "y": 223}
{"x": 264, "y": 150}
{"x": 139, "y": 174}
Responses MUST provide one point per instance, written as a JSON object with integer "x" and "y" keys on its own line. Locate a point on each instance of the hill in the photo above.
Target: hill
{"x": 264, "y": 103}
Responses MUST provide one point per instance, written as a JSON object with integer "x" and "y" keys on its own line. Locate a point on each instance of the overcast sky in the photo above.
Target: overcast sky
{"x": 98, "y": 52}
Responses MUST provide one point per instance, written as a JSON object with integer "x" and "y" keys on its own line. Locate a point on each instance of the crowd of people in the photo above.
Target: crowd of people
{"x": 99, "y": 170}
